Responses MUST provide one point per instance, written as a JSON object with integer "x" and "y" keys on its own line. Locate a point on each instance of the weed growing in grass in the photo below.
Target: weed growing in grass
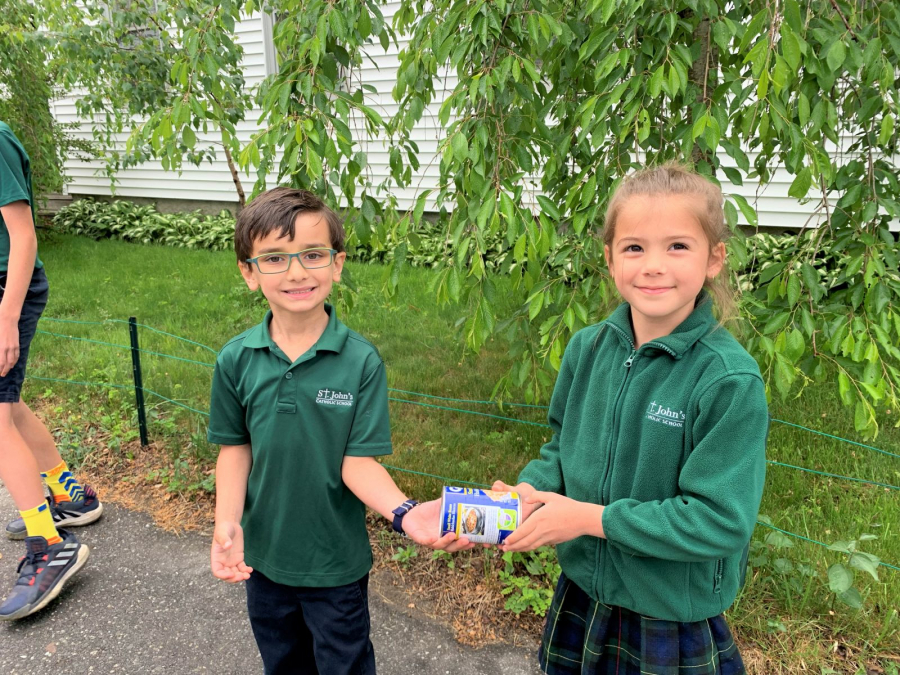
{"x": 405, "y": 554}
{"x": 529, "y": 579}
{"x": 841, "y": 575}
{"x": 183, "y": 477}
{"x": 447, "y": 558}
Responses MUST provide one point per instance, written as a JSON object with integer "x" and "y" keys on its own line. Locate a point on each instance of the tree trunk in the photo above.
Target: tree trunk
{"x": 704, "y": 74}
{"x": 234, "y": 175}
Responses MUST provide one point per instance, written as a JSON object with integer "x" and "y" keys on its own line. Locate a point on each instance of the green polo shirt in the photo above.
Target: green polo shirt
{"x": 15, "y": 185}
{"x": 302, "y": 526}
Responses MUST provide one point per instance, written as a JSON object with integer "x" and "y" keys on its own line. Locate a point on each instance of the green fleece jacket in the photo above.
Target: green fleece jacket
{"x": 671, "y": 439}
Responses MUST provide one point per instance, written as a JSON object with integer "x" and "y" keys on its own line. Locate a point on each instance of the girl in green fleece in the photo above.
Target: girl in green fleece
{"x": 651, "y": 483}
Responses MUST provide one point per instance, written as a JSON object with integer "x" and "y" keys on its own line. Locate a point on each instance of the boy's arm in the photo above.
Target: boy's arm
{"x": 232, "y": 472}
{"x": 22, "y": 254}
{"x": 375, "y": 488}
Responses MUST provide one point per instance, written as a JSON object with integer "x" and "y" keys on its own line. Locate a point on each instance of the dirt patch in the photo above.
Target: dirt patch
{"x": 131, "y": 483}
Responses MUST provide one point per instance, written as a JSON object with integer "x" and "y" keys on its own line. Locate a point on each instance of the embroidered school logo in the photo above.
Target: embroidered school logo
{"x": 333, "y": 397}
{"x": 665, "y": 415}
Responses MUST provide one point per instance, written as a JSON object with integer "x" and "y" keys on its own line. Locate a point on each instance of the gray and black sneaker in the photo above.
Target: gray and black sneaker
{"x": 65, "y": 514}
{"x": 42, "y": 573}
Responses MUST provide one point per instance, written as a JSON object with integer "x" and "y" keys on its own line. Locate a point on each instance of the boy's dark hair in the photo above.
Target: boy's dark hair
{"x": 277, "y": 209}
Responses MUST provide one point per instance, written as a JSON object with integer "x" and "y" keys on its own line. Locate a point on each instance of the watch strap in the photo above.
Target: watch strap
{"x": 401, "y": 511}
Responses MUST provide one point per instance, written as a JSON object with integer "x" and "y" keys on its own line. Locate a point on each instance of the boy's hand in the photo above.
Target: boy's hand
{"x": 423, "y": 523}
{"x": 9, "y": 345}
{"x": 561, "y": 519}
{"x": 227, "y": 556}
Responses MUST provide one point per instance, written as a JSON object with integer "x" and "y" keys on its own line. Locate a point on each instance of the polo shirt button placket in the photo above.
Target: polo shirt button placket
{"x": 287, "y": 395}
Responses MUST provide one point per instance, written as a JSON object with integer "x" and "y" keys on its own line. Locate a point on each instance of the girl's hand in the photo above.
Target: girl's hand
{"x": 561, "y": 519}
{"x": 525, "y": 491}
{"x": 227, "y": 555}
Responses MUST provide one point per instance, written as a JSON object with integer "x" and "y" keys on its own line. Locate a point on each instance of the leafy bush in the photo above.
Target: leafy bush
{"x": 145, "y": 225}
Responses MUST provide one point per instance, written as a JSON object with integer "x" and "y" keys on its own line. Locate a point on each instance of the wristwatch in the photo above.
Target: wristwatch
{"x": 401, "y": 511}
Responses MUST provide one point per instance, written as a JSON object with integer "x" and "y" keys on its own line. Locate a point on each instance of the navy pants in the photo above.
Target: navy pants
{"x": 302, "y": 630}
{"x": 32, "y": 308}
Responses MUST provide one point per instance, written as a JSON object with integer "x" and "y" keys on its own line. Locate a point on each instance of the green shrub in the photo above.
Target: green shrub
{"x": 145, "y": 225}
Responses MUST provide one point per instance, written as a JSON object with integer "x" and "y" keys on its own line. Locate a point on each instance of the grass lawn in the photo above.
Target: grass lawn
{"x": 786, "y": 607}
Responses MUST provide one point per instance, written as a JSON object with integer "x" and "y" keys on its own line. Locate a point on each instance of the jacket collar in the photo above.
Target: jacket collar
{"x": 700, "y": 323}
{"x": 332, "y": 340}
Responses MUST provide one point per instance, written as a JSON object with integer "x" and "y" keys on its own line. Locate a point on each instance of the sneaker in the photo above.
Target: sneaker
{"x": 65, "y": 514}
{"x": 42, "y": 573}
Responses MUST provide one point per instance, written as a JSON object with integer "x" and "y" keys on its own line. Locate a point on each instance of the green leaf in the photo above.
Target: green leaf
{"x": 529, "y": 68}
{"x": 656, "y": 82}
{"x": 795, "y": 345}
{"x": 851, "y": 598}
{"x": 762, "y": 87}
{"x": 811, "y": 281}
{"x": 485, "y": 212}
{"x": 535, "y": 306}
{"x": 730, "y": 215}
{"x": 519, "y": 250}
{"x": 887, "y": 129}
{"x": 460, "y": 146}
{"x": 845, "y": 388}
{"x": 776, "y": 323}
{"x": 801, "y": 184}
{"x": 861, "y": 416}
{"x": 748, "y": 211}
{"x": 793, "y": 289}
{"x": 699, "y": 126}
{"x": 188, "y": 136}
{"x": 784, "y": 376}
{"x": 313, "y": 162}
{"x": 548, "y": 207}
{"x": 790, "y": 47}
{"x": 836, "y": 55}
{"x": 419, "y": 209}
{"x": 865, "y": 562}
{"x": 802, "y": 109}
{"x": 840, "y": 579}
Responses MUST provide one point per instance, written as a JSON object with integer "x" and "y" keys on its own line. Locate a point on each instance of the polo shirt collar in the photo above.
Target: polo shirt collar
{"x": 332, "y": 339}
{"x": 700, "y": 323}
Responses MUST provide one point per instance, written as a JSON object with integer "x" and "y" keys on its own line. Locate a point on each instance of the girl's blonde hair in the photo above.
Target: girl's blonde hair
{"x": 673, "y": 179}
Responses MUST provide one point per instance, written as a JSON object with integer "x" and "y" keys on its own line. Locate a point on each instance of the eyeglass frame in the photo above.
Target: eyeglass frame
{"x": 290, "y": 256}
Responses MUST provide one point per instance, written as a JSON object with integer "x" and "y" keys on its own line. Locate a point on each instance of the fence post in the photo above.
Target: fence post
{"x": 138, "y": 380}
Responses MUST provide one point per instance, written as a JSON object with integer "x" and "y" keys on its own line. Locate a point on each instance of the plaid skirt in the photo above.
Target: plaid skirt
{"x": 585, "y": 637}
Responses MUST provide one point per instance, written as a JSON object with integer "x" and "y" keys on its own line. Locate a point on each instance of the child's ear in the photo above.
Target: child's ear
{"x": 609, "y": 261}
{"x": 338, "y": 266}
{"x": 716, "y": 261}
{"x": 247, "y": 272}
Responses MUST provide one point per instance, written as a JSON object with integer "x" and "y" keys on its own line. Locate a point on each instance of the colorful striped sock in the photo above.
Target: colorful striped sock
{"x": 64, "y": 486}
{"x": 39, "y": 523}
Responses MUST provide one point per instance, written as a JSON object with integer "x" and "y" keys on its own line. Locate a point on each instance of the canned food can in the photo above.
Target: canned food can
{"x": 482, "y": 516}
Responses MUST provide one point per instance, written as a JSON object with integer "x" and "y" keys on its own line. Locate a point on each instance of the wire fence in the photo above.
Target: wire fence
{"x": 139, "y": 390}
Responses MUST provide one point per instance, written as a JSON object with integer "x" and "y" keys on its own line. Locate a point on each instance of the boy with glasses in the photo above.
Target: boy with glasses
{"x": 26, "y": 447}
{"x": 299, "y": 405}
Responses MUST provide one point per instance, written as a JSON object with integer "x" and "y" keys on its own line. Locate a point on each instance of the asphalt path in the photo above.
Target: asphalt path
{"x": 146, "y": 602}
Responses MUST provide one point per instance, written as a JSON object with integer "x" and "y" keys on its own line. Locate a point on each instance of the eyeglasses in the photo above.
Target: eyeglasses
{"x": 276, "y": 263}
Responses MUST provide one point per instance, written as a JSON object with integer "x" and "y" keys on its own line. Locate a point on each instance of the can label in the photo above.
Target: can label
{"x": 482, "y": 516}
